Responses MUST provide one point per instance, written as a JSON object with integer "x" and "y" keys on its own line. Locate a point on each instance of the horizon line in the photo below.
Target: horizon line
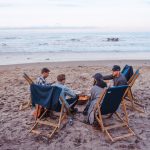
{"x": 105, "y": 29}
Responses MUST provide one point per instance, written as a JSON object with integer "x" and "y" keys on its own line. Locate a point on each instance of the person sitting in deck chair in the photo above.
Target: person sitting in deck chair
{"x": 42, "y": 79}
{"x": 97, "y": 89}
{"x": 117, "y": 77}
{"x": 66, "y": 92}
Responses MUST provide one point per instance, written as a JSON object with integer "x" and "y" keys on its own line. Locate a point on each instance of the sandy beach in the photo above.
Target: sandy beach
{"x": 15, "y": 124}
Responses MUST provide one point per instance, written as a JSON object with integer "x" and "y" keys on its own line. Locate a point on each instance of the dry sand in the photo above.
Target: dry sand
{"x": 14, "y": 124}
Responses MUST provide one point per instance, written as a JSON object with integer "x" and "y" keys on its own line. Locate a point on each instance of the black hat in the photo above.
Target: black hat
{"x": 98, "y": 76}
{"x": 116, "y": 68}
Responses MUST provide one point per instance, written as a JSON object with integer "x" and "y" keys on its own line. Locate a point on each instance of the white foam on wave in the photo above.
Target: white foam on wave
{"x": 21, "y": 58}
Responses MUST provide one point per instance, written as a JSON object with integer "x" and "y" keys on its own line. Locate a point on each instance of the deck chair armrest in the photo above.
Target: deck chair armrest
{"x": 67, "y": 109}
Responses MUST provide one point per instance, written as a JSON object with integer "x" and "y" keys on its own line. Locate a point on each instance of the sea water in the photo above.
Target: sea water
{"x": 53, "y": 45}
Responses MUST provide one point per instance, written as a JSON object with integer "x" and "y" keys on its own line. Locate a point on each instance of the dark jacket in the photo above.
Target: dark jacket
{"x": 121, "y": 80}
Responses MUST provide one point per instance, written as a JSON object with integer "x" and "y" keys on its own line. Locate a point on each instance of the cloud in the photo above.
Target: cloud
{"x": 100, "y": 13}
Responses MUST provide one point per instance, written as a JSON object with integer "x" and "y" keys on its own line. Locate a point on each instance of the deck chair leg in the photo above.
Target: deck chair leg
{"x": 110, "y": 137}
{"x": 133, "y": 103}
{"x": 126, "y": 124}
{"x": 138, "y": 103}
{"x": 36, "y": 122}
{"x": 135, "y": 100}
{"x": 61, "y": 114}
{"x": 61, "y": 117}
{"x": 120, "y": 118}
{"x": 50, "y": 135}
{"x": 99, "y": 119}
{"x": 135, "y": 108}
{"x": 125, "y": 111}
{"x": 131, "y": 97}
{"x": 130, "y": 132}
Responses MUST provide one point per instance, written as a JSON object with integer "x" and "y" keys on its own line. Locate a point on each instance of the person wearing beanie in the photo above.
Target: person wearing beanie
{"x": 96, "y": 90}
{"x": 117, "y": 77}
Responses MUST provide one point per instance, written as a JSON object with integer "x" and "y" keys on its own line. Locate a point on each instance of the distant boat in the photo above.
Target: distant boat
{"x": 75, "y": 40}
{"x": 4, "y": 44}
{"x": 112, "y": 39}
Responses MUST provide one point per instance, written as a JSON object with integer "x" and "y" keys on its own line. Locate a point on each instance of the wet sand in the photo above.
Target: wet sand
{"x": 15, "y": 124}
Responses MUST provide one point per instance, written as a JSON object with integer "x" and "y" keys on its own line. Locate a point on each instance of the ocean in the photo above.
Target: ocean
{"x": 19, "y": 46}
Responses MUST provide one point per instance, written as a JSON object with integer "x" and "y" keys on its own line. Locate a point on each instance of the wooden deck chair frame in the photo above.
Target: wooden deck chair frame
{"x": 129, "y": 95}
{"x": 28, "y": 103}
{"x": 55, "y": 126}
{"x": 106, "y": 129}
{"x": 62, "y": 115}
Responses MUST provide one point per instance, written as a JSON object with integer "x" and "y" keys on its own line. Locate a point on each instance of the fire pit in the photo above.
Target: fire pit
{"x": 83, "y": 99}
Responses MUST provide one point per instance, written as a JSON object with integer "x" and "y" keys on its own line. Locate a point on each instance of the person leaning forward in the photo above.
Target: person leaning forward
{"x": 67, "y": 92}
{"x": 117, "y": 77}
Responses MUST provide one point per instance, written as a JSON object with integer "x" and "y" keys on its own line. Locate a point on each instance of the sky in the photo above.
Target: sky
{"x": 125, "y": 15}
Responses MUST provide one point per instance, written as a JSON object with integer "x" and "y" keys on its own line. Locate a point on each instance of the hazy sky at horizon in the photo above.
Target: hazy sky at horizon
{"x": 106, "y": 14}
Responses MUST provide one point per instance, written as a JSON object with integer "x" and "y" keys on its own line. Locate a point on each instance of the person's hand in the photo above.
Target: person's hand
{"x": 53, "y": 82}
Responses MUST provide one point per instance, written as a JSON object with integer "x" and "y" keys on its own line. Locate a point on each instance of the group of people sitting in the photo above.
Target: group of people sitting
{"x": 71, "y": 98}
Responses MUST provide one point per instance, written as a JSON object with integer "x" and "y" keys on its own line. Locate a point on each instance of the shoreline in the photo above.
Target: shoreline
{"x": 83, "y": 62}
{"x": 8, "y": 59}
